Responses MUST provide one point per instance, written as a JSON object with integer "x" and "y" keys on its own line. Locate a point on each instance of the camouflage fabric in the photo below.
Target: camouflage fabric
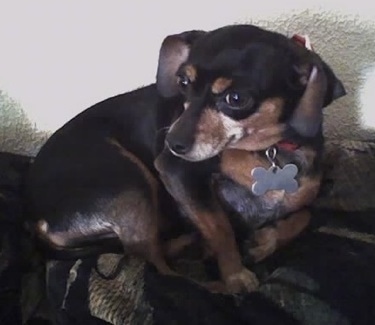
{"x": 320, "y": 279}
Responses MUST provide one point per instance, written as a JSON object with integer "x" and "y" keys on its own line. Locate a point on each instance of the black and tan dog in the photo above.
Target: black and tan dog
{"x": 237, "y": 93}
{"x": 253, "y": 107}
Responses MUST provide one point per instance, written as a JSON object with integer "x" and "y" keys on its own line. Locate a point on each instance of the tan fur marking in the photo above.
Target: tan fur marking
{"x": 141, "y": 227}
{"x": 237, "y": 164}
{"x": 210, "y": 128}
{"x": 217, "y": 231}
{"x": 42, "y": 226}
{"x": 186, "y": 105}
{"x": 272, "y": 107}
{"x": 191, "y": 72}
{"x": 151, "y": 180}
{"x": 57, "y": 240}
{"x": 269, "y": 239}
{"x": 292, "y": 226}
{"x": 220, "y": 85}
{"x": 141, "y": 219}
{"x": 53, "y": 239}
{"x": 306, "y": 194}
{"x": 210, "y": 136}
{"x": 262, "y": 127}
{"x": 216, "y": 131}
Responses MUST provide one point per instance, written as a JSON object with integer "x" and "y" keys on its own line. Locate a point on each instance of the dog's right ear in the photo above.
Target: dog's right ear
{"x": 173, "y": 52}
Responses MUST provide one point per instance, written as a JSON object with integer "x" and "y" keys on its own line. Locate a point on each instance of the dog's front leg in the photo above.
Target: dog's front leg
{"x": 190, "y": 185}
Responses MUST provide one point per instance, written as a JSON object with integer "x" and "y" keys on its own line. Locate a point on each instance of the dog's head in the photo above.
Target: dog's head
{"x": 242, "y": 82}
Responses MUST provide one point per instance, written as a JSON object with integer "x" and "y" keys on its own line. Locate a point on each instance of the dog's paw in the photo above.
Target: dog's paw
{"x": 243, "y": 281}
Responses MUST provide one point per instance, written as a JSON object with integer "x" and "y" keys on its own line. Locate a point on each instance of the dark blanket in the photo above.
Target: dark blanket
{"x": 327, "y": 276}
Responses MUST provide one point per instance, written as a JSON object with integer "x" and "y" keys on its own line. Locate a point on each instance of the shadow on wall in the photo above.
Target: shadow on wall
{"x": 346, "y": 42}
{"x": 17, "y": 133}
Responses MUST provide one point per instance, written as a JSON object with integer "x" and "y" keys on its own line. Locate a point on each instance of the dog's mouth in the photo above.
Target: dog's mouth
{"x": 203, "y": 151}
{"x": 232, "y": 139}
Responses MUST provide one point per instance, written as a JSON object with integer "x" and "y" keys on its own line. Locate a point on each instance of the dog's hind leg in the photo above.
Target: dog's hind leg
{"x": 156, "y": 257}
{"x": 175, "y": 246}
{"x": 137, "y": 224}
{"x": 136, "y": 211}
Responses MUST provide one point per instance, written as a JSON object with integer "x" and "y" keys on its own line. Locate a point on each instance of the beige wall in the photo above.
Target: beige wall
{"x": 57, "y": 58}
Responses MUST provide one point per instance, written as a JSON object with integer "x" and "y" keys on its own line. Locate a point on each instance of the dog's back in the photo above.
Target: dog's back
{"x": 97, "y": 164}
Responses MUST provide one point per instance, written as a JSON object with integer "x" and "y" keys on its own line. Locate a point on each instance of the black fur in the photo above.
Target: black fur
{"x": 262, "y": 65}
{"x": 77, "y": 173}
{"x": 234, "y": 81}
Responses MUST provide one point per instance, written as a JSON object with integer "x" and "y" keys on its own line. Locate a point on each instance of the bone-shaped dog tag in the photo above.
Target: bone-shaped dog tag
{"x": 274, "y": 178}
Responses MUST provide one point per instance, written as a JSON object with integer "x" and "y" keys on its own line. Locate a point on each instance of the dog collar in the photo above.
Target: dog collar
{"x": 287, "y": 145}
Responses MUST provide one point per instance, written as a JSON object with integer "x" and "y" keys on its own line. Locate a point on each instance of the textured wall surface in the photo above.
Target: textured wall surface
{"x": 56, "y": 59}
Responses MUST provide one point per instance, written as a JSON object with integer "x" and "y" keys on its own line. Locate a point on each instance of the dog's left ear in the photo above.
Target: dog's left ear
{"x": 173, "y": 52}
{"x": 322, "y": 88}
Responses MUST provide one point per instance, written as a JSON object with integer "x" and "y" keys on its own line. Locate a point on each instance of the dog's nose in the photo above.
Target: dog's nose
{"x": 177, "y": 147}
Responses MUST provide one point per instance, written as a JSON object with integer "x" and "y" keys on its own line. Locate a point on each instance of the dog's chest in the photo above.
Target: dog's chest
{"x": 234, "y": 186}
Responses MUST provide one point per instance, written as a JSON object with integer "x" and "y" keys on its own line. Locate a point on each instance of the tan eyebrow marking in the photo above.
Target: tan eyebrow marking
{"x": 220, "y": 85}
{"x": 191, "y": 72}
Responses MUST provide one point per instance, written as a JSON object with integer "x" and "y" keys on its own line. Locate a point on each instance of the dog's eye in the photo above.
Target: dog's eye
{"x": 237, "y": 100}
{"x": 183, "y": 81}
